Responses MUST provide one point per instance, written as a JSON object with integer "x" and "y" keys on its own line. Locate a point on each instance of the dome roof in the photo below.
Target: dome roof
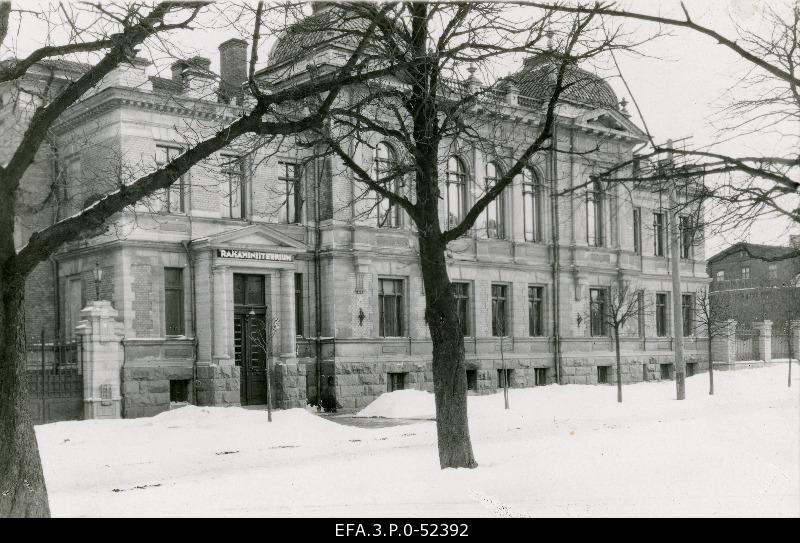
{"x": 327, "y": 25}
{"x": 537, "y": 77}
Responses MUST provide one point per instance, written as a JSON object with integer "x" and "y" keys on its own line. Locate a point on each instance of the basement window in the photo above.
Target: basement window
{"x": 666, "y": 371}
{"x": 540, "y": 376}
{"x": 690, "y": 368}
{"x": 179, "y": 391}
{"x": 396, "y": 381}
{"x": 472, "y": 379}
{"x": 602, "y": 375}
{"x": 501, "y": 379}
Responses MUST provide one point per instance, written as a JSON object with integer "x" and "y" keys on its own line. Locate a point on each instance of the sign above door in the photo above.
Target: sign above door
{"x": 254, "y": 255}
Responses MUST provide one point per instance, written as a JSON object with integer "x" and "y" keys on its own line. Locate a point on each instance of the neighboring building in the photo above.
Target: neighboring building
{"x": 274, "y": 233}
{"x": 752, "y": 283}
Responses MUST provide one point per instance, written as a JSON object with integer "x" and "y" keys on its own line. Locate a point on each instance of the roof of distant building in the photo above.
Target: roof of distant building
{"x": 760, "y": 252}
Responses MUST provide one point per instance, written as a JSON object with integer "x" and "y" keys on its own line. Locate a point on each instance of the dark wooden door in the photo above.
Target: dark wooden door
{"x": 249, "y": 321}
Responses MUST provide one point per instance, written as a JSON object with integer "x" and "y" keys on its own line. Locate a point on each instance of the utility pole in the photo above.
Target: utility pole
{"x": 675, "y": 264}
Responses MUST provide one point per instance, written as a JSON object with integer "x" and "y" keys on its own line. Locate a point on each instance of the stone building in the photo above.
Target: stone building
{"x": 255, "y": 238}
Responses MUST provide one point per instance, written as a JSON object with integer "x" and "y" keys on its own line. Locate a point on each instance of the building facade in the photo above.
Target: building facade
{"x": 270, "y": 257}
{"x": 754, "y": 283}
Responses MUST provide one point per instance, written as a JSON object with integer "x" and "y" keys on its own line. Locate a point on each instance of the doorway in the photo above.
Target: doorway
{"x": 250, "y": 343}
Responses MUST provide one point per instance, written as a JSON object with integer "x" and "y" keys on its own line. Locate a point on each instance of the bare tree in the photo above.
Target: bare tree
{"x": 115, "y": 34}
{"x": 429, "y": 111}
{"x": 711, "y": 316}
{"x": 262, "y": 330}
{"x": 623, "y": 304}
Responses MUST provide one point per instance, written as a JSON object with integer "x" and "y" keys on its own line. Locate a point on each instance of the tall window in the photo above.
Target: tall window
{"x": 236, "y": 197}
{"x": 173, "y": 197}
{"x": 292, "y": 203}
{"x": 298, "y": 304}
{"x": 594, "y": 214}
{"x": 532, "y": 205}
{"x": 686, "y": 237}
{"x": 661, "y": 315}
{"x": 536, "y": 311}
{"x": 461, "y": 294}
{"x": 637, "y": 230}
{"x": 659, "y": 224}
{"x": 390, "y": 307}
{"x": 773, "y": 271}
{"x": 746, "y": 272}
{"x": 494, "y": 213}
{"x": 687, "y": 310}
{"x": 640, "y": 312}
{"x": 173, "y": 301}
{"x": 456, "y": 182}
{"x": 597, "y": 311}
{"x": 385, "y": 165}
{"x": 721, "y": 275}
{"x": 499, "y": 310}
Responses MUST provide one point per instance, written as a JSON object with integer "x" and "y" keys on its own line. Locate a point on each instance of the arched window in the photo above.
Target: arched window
{"x": 456, "y": 182}
{"x": 493, "y": 214}
{"x": 385, "y": 165}
{"x": 594, "y": 214}
{"x": 532, "y": 205}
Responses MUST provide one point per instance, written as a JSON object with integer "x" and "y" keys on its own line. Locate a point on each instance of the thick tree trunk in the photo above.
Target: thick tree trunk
{"x": 22, "y": 488}
{"x": 449, "y": 372}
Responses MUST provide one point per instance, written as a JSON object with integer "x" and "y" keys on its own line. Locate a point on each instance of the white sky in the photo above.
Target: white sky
{"x": 678, "y": 85}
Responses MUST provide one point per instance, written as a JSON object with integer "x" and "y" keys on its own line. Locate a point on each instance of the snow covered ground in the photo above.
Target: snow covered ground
{"x": 560, "y": 451}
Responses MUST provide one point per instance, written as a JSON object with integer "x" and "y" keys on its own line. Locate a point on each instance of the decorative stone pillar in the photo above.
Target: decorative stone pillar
{"x": 288, "y": 348}
{"x": 723, "y": 344}
{"x": 764, "y": 340}
{"x": 101, "y": 335}
{"x": 222, "y": 318}
{"x": 794, "y": 337}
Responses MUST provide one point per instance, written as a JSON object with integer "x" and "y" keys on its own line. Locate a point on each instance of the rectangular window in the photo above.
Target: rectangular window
{"x": 690, "y": 368}
{"x": 686, "y": 235}
{"x": 640, "y": 312}
{"x": 745, "y": 273}
{"x": 602, "y": 375}
{"x": 536, "y": 311}
{"x": 236, "y": 196}
{"x": 174, "y": 196}
{"x": 179, "y": 390}
{"x": 499, "y": 310}
{"x": 666, "y": 371}
{"x": 173, "y": 301}
{"x": 502, "y": 375}
{"x": 720, "y": 276}
{"x": 75, "y": 303}
{"x": 687, "y": 310}
{"x": 659, "y": 224}
{"x": 773, "y": 271}
{"x": 472, "y": 379}
{"x": 396, "y": 381}
{"x": 637, "y": 230}
{"x": 390, "y": 307}
{"x": 597, "y": 311}
{"x": 595, "y": 234}
{"x": 298, "y": 304}
{"x": 661, "y": 315}
{"x": 461, "y": 294}
{"x": 292, "y": 204}
{"x": 540, "y": 376}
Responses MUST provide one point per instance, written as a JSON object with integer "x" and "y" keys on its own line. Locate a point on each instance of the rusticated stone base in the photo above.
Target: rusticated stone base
{"x": 145, "y": 390}
{"x": 218, "y": 385}
{"x": 290, "y": 385}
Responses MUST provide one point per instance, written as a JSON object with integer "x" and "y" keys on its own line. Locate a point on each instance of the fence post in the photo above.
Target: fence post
{"x": 723, "y": 345}
{"x": 764, "y": 340}
{"x": 794, "y": 337}
{"x": 44, "y": 377}
{"x": 100, "y": 336}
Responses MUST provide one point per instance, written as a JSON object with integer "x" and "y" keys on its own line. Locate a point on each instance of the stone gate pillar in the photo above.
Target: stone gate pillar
{"x": 794, "y": 337}
{"x": 764, "y": 340}
{"x": 101, "y": 336}
{"x": 723, "y": 344}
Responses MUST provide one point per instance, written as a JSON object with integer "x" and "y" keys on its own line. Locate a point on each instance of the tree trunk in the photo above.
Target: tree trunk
{"x": 619, "y": 365}
{"x": 449, "y": 372}
{"x": 22, "y": 488}
{"x": 710, "y": 366}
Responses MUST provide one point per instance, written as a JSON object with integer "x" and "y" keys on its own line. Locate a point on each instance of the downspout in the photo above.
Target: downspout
{"x": 554, "y": 220}
{"x": 318, "y": 283}
{"x": 191, "y": 261}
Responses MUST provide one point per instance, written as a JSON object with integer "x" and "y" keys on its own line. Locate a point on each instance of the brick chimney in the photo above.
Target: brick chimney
{"x": 232, "y": 69}
{"x": 197, "y": 79}
{"x": 177, "y": 70}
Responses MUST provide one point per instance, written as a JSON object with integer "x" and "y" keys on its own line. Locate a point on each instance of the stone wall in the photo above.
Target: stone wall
{"x": 290, "y": 385}
{"x": 146, "y": 389}
{"x": 218, "y": 385}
